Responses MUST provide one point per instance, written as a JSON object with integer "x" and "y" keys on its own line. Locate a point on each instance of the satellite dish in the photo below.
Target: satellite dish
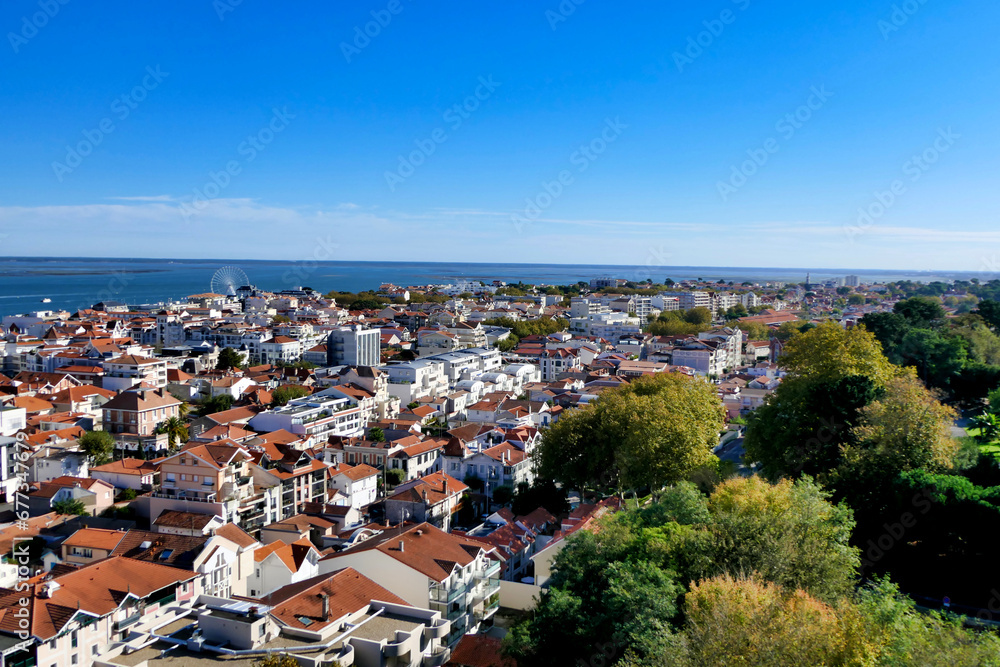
{"x": 228, "y": 279}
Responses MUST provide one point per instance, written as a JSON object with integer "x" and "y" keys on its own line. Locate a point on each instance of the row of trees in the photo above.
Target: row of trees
{"x": 959, "y": 355}
{"x": 880, "y": 440}
{"x": 752, "y": 574}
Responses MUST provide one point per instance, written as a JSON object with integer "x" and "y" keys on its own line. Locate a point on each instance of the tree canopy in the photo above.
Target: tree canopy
{"x": 652, "y": 432}
{"x": 621, "y": 585}
{"x": 98, "y": 445}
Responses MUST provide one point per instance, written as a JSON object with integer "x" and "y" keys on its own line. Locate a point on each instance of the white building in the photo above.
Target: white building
{"x": 354, "y": 346}
{"x": 314, "y": 417}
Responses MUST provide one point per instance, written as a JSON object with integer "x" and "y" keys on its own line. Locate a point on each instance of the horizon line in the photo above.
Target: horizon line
{"x": 530, "y": 264}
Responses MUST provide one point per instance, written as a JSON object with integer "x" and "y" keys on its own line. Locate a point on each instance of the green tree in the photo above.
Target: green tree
{"x": 806, "y": 422}
{"x": 617, "y": 586}
{"x": 69, "y": 506}
{"x": 395, "y": 476}
{"x": 989, "y": 310}
{"x": 508, "y": 344}
{"x": 652, "y": 432}
{"x": 831, "y": 352}
{"x": 213, "y": 404}
{"x": 698, "y": 316}
{"x": 920, "y": 311}
{"x": 988, "y": 425}
{"x": 541, "y": 493}
{"x": 755, "y": 330}
{"x": 376, "y": 434}
{"x": 993, "y": 398}
{"x": 906, "y": 429}
{"x": 228, "y": 359}
{"x": 503, "y": 495}
{"x": 98, "y": 445}
{"x": 888, "y": 328}
{"x": 736, "y": 312}
{"x": 282, "y": 660}
{"x": 175, "y": 429}
{"x": 285, "y": 393}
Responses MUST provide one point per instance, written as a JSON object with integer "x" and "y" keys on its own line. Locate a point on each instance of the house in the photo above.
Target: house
{"x": 88, "y": 545}
{"x": 191, "y": 524}
{"x": 359, "y": 484}
{"x": 208, "y": 479}
{"x": 432, "y": 499}
{"x": 95, "y": 495}
{"x": 58, "y": 459}
{"x": 417, "y": 459}
{"x": 86, "y": 399}
{"x": 127, "y": 473}
{"x": 278, "y": 564}
{"x": 80, "y": 615}
{"x": 280, "y": 349}
{"x": 222, "y": 562}
{"x": 138, "y": 412}
{"x": 341, "y": 618}
{"x": 431, "y": 569}
{"x": 313, "y": 527}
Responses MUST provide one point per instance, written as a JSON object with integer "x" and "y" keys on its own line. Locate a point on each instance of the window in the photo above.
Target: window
{"x": 73, "y": 639}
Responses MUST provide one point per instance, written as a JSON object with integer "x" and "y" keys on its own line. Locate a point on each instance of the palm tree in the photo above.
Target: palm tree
{"x": 988, "y": 425}
{"x": 175, "y": 429}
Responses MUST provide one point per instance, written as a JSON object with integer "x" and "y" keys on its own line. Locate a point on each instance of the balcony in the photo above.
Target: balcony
{"x": 128, "y": 620}
{"x": 446, "y": 594}
{"x": 488, "y": 609}
{"x": 490, "y": 571}
{"x": 210, "y": 498}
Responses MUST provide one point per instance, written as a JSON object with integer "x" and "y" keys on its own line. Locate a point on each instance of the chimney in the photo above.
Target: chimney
{"x": 401, "y": 545}
{"x": 326, "y": 606}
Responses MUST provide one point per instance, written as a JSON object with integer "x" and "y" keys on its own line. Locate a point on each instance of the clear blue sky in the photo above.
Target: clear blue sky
{"x": 678, "y": 128}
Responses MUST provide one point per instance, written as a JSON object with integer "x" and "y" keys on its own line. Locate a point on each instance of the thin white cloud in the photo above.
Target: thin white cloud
{"x": 144, "y": 198}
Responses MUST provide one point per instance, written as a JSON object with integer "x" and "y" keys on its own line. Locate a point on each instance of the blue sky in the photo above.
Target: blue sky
{"x": 602, "y": 132}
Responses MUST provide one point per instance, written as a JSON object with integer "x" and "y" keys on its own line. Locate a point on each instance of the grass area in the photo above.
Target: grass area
{"x": 990, "y": 448}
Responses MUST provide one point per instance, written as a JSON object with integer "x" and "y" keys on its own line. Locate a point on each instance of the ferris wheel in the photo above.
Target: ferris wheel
{"x": 228, "y": 279}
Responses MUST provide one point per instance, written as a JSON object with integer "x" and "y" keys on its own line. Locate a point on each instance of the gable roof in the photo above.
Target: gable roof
{"x": 95, "y": 538}
{"x": 426, "y": 549}
{"x": 347, "y": 591}
{"x": 98, "y": 588}
{"x": 292, "y": 555}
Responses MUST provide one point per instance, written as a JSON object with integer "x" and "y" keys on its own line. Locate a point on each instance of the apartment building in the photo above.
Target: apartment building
{"x": 138, "y": 412}
{"x": 314, "y": 418}
{"x": 689, "y": 300}
{"x": 433, "y": 498}
{"x": 731, "y": 339}
{"x": 706, "y": 357}
{"x": 91, "y": 612}
{"x": 296, "y": 480}
{"x": 412, "y": 380}
{"x": 127, "y": 371}
{"x": 432, "y": 569}
{"x": 207, "y": 479}
{"x": 354, "y": 346}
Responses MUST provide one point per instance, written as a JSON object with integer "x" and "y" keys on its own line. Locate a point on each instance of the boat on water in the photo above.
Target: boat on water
{"x": 46, "y": 300}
